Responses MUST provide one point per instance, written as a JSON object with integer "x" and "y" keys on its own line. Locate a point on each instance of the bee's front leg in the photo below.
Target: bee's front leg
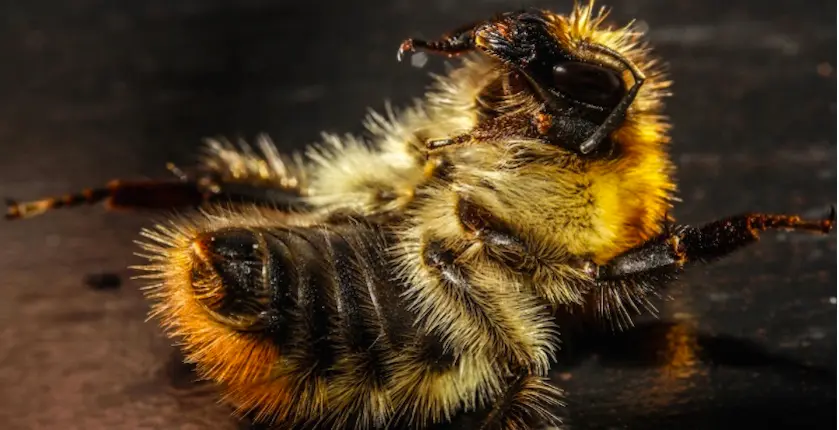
{"x": 454, "y": 43}
{"x": 627, "y": 282}
{"x": 677, "y": 247}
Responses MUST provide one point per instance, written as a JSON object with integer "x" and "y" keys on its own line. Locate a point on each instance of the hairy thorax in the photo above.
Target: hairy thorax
{"x": 554, "y": 199}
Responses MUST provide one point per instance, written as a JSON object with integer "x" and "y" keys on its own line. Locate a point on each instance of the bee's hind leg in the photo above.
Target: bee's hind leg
{"x": 161, "y": 195}
{"x": 115, "y": 194}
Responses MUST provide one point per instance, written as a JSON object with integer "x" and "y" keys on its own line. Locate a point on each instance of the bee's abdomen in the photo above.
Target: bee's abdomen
{"x": 328, "y": 301}
{"x": 314, "y": 290}
{"x": 338, "y": 277}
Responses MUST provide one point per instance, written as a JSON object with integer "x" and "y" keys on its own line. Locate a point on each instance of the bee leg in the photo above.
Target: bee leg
{"x": 116, "y": 194}
{"x": 459, "y": 41}
{"x": 529, "y": 402}
{"x": 492, "y": 129}
{"x": 486, "y": 227}
{"x": 685, "y": 244}
{"x": 157, "y": 195}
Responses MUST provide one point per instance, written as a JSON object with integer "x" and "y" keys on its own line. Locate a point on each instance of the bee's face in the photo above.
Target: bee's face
{"x": 577, "y": 94}
{"x": 525, "y": 43}
{"x": 586, "y": 87}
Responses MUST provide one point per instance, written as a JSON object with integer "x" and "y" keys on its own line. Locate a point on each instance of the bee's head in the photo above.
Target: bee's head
{"x": 588, "y": 80}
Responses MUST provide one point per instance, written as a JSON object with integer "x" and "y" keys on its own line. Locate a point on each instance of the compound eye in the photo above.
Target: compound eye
{"x": 588, "y": 83}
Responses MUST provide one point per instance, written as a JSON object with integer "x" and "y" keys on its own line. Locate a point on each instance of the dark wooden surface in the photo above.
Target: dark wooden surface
{"x": 92, "y": 90}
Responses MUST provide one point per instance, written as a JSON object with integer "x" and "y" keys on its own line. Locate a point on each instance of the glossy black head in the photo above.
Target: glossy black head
{"x": 584, "y": 93}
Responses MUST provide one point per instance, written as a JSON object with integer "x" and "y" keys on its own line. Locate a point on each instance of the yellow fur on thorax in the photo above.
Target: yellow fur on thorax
{"x": 632, "y": 194}
{"x": 632, "y": 200}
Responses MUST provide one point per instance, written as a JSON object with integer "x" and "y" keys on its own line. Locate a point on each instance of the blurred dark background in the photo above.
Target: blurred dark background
{"x": 92, "y": 90}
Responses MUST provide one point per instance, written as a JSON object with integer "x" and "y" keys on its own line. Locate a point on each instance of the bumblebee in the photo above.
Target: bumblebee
{"x": 411, "y": 277}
